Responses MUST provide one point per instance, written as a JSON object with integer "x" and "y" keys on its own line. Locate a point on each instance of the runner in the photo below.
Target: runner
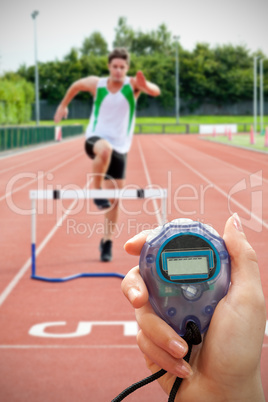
{"x": 110, "y": 130}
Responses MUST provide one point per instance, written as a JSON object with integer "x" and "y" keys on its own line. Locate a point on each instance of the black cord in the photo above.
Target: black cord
{"x": 192, "y": 337}
{"x": 138, "y": 385}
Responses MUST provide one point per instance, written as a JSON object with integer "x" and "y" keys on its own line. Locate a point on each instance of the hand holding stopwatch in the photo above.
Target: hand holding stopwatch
{"x": 186, "y": 268}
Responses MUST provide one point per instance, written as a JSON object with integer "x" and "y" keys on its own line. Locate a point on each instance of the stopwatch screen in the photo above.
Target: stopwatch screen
{"x": 188, "y": 266}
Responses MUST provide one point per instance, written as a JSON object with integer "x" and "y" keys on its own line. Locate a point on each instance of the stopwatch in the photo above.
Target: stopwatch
{"x": 186, "y": 268}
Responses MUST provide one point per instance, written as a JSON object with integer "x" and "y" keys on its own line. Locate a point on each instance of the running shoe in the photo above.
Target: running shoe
{"x": 102, "y": 203}
{"x": 106, "y": 250}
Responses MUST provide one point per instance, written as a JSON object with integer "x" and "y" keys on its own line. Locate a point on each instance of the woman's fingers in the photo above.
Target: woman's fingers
{"x": 160, "y": 333}
{"x": 154, "y": 329}
{"x": 163, "y": 359}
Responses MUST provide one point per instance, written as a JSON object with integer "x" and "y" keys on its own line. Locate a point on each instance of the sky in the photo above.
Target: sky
{"x": 63, "y": 24}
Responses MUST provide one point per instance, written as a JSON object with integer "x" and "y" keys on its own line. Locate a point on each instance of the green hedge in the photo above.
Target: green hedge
{"x": 15, "y": 137}
{"x": 16, "y": 97}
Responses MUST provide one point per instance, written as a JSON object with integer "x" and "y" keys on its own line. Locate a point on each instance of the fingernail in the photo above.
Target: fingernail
{"x": 184, "y": 370}
{"x": 177, "y": 349}
{"x": 237, "y": 223}
{"x": 133, "y": 294}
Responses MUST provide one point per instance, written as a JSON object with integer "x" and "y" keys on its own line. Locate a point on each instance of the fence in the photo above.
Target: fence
{"x": 79, "y": 109}
{"x": 15, "y": 137}
{"x": 162, "y": 128}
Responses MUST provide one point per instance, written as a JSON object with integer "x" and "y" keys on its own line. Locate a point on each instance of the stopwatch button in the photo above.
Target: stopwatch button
{"x": 208, "y": 310}
{"x": 223, "y": 255}
{"x": 172, "y": 311}
{"x": 150, "y": 258}
{"x": 191, "y": 292}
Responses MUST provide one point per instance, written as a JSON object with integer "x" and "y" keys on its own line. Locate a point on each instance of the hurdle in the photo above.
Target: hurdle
{"x": 81, "y": 194}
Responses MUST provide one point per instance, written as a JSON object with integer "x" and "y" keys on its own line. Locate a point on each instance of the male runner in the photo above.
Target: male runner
{"x": 109, "y": 133}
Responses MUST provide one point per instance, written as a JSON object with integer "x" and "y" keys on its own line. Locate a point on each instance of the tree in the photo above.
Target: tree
{"x": 94, "y": 44}
{"x": 221, "y": 75}
{"x": 124, "y": 34}
{"x": 16, "y": 97}
{"x": 72, "y": 56}
{"x": 164, "y": 38}
{"x": 143, "y": 43}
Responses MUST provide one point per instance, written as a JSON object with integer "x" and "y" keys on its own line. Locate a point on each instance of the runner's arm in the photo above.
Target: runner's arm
{"x": 87, "y": 84}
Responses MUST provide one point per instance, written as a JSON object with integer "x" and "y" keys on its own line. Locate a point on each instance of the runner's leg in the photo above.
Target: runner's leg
{"x": 103, "y": 151}
{"x": 111, "y": 216}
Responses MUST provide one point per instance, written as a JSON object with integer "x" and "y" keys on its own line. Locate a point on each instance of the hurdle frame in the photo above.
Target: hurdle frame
{"x": 125, "y": 194}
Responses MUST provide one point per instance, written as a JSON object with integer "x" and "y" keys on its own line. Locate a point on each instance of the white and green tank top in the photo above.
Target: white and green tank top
{"x": 113, "y": 115}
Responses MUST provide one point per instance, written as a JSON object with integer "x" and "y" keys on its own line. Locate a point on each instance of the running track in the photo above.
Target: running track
{"x": 72, "y": 359}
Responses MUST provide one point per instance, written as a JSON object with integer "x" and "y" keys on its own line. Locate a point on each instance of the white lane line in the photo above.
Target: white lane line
{"x": 14, "y": 281}
{"x": 252, "y": 150}
{"x": 148, "y": 178}
{"x": 217, "y": 188}
{"x": 224, "y": 162}
{"x": 8, "y": 194}
{"x": 16, "y": 347}
{"x": 29, "y": 161}
{"x": 22, "y": 164}
{"x": 28, "y": 263}
{"x": 69, "y": 347}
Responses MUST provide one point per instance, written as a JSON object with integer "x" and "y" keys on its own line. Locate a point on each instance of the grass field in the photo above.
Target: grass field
{"x": 241, "y": 140}
{"x": 192, "y": 120}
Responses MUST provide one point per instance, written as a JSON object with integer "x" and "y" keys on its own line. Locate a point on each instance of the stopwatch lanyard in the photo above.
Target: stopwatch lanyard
{"x": 192, "y": 337}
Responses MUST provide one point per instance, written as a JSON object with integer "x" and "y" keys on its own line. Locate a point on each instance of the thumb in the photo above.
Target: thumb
{"x": 134, "y": 245}
{"x": 245, "y": 296}
{"x": 134, "y": 288}
{"x": 245, "y": 273}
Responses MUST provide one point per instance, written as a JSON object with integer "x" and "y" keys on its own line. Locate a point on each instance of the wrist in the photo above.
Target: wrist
{"x": 152, "y": 89}
{"x": 246, "y": 390}
{"x": 233, "y": 389}
{"x": 63, "y": 104}
{"x": 146, "y": 89}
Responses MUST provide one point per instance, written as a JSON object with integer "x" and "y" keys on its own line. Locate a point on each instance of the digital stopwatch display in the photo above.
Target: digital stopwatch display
{"x": 179, "y": 263}
{"x": 185, "y": 267}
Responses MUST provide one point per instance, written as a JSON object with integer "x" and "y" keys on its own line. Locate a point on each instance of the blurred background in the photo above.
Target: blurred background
{"x": 205, "y": 48}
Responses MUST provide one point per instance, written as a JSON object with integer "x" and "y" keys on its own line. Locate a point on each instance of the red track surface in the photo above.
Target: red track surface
{"x": 98, "y": 365}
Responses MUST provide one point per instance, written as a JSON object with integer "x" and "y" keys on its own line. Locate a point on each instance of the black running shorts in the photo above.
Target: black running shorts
{"x": 117, "y": 167}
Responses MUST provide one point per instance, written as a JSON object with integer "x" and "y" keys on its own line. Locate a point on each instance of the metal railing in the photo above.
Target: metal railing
{"x": 20, "y": 136}
{"x": 182, "y": 128}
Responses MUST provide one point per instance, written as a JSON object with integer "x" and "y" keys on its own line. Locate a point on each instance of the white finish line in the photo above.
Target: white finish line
{"x": 69, "y": 347}
{"x": 130, "y": 328}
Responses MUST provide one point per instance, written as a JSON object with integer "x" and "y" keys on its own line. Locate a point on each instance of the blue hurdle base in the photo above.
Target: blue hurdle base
{"x": 86, "y": 275}
{"x": 69, "y": 278}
